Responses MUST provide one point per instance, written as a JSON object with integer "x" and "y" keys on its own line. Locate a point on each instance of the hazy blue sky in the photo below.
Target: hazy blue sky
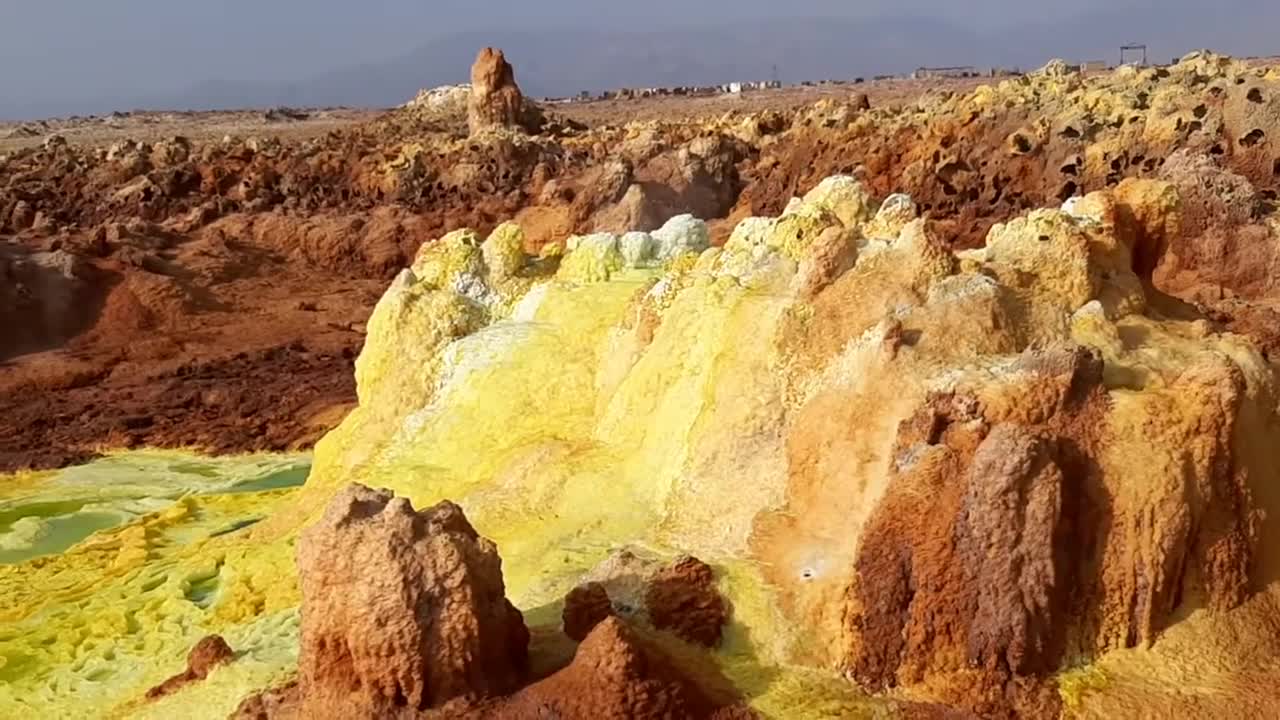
{"x": 56, "y": 51}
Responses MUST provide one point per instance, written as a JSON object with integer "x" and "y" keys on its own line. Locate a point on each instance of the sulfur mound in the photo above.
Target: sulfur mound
{"x": 404, "y": 616}
{"x": 1014, "y": 480}
{"x": 966, "y": 469}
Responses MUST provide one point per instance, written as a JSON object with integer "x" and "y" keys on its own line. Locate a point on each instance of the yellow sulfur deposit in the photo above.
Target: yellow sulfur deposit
{"x": 648, "y": 394}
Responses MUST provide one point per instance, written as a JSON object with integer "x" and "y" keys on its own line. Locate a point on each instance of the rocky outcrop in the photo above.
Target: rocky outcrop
{"x": 683, "y": 600}
{"x": 206, "y": 655}
{"x": 986, "y": 580}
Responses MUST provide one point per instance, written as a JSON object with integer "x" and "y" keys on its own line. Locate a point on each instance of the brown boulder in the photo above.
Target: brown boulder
{"x": 402, "y": 611}
{"x": 496, "y": 101}
{"x": 207, "y": 654}
{"x": 680, "y": 598}
{"x": 584, "y": 608}
{"x": 683, "y": 599}
{"x": 619, "y": 673}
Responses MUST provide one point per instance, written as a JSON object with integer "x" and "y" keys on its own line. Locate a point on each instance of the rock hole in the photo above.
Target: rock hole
{"x": 1069, "y": 169}
{"x": 1068, "y": 190}
{"x": 1195, "y": 126}
{"x": 1275, "y": 167}
{"x": 1216, "y": 150}
{"x": 1021, "y": 144}
{"x": 1117, "y": 164}
{"x": 1254, "y": 137}
{"x": 1044, "y": 238}
{"x": 1200, "y": 111}
{"x": 1240, "y": 81}
{"x": 807, "y": 574}
{"x": 1070, "y": 133}
{"x": 202, "y": 591}
{"x": 1255, "y": 95}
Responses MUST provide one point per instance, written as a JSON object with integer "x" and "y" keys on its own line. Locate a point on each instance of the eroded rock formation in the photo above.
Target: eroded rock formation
{"x": 585, "y": 607}
{"x": 496, "y": 101}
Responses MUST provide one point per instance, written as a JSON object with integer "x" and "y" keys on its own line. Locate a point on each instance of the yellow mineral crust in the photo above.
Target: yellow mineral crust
{"x": 720, "y": 407}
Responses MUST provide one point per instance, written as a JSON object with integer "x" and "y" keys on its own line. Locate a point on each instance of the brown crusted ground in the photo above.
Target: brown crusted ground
{"x": 203, "y": 341}
{"x": 256, "y": 260}
{"x": 207, "y": 654}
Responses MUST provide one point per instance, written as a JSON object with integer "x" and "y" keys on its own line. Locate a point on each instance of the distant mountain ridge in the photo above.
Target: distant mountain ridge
{"x": 564, "y": 61}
